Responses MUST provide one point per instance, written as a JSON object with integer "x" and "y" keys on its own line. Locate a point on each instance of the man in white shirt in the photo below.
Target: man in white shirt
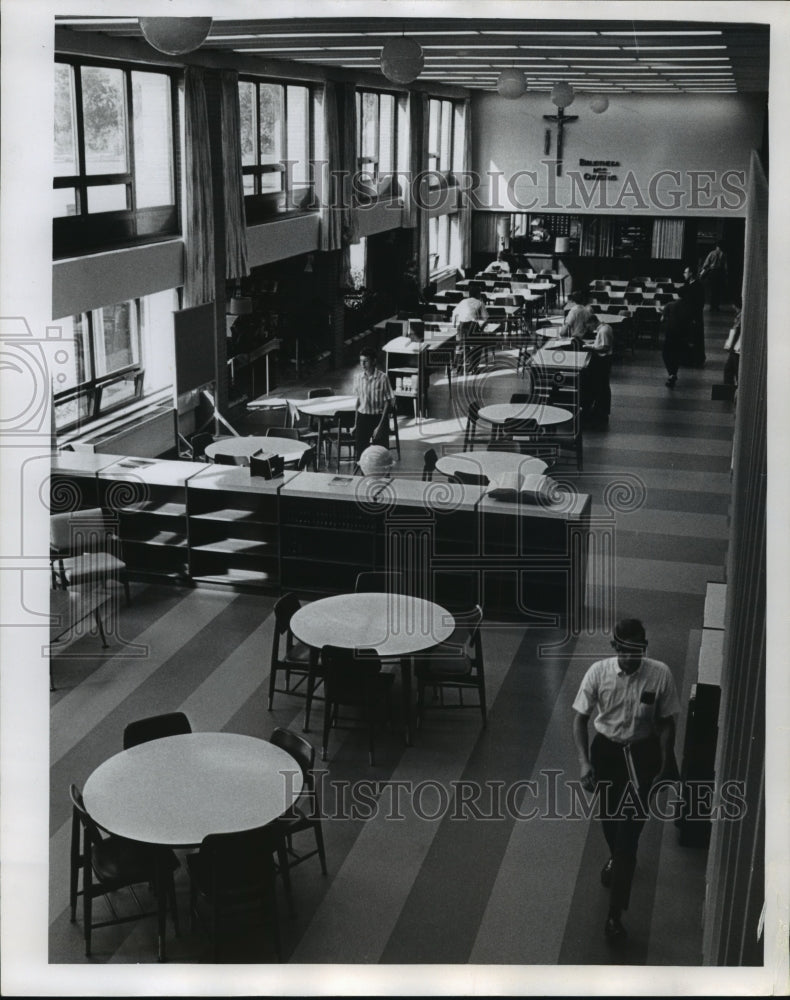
{"x": 634, "y": 702}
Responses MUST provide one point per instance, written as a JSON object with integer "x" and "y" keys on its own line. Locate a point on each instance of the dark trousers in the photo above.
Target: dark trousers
{"x": 596, "y": 390}
{"x": 366, "y": 425}
{"x": 671, "y": 354}
{"x": 623, "y": 808}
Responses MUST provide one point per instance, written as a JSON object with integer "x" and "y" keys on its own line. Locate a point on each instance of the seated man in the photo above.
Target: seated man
{"x": 498, "y": 266}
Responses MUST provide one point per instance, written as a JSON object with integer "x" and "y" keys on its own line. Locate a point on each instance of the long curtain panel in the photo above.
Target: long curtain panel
{"x": 668, "y": 238}
{"x": 465, "y": 202}
{"x": 236, "y": 265}
{"x": 198, "y": 196}
{"x": 330, "y": 231}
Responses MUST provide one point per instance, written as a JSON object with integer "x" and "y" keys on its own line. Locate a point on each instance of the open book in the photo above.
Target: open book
{"x": 530, "y": 488}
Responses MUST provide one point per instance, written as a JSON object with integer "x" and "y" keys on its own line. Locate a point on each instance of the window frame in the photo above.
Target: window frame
{"x": 374, "y": 176}
{"x": 260, "y": 204}
{"x": 88, "y": 232}
{"x": 93, "y": 388}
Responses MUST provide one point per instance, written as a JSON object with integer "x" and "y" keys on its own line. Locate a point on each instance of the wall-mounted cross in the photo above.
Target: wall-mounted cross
{"x": 561, "y": 119}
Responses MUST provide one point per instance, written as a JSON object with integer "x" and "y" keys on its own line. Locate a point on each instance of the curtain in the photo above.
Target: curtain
{"x": 236, "y": 265}
{"x": 668, "y": 238}
{"x": 465, "y": 201}
{"x": 198, "y": 197}
{"x": 349, "y": 161}
{"x": 414, "y": 214}
{"x": 337, "y": 113}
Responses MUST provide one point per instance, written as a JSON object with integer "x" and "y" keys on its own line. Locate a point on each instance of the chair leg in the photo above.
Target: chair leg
{"x": 319, "y": 843}
{"x": 272, "y": 681}
{"x": 327, "y": 721}
{"x": 282, "y": 861}
{"x": 171, "y": 898}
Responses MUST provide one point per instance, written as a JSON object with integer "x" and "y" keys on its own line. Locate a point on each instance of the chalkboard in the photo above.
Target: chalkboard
{"x": 195, "y": 335}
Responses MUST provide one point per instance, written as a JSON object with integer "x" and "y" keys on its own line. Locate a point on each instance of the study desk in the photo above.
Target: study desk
{"x": 246, "y": 446}
{"x": 490, "y": 464}
{"x": 560, "y": 359}
{"x": 545, "y": 415}
{"x": 173, "y": 792}
{"x": 395, "y": 625}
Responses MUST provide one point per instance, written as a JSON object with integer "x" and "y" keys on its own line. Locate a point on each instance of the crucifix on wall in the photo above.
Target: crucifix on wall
{"x": 561, "y": 119}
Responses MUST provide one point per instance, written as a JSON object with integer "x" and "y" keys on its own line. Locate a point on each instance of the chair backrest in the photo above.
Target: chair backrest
{"x": 239, "y": 865}
{"x": 220, "y": 459}
{"x": 78, "y": 531}
{"x": 154, "y": 728}
{"x": 476, "y": 288}
{"x": 306, "y": 460}
{"x": 81, "y": 820}
{"x": 393, "y": 329}
{"x": 284, "y": 610}
{"x": 520, "y": 397}
{"x": 302, "y": 751}
{"x": 519, "y": 425}
{"x": 282, "y": 432}
{"x": 349, "y": 674}
{"x": 345, "y": 419}
{"x": 429, "y": 460}
{"x": 453, "y": 296}
{"x": 318, "y": 393}
{"x": 379, "y": 582}
{"x": 470, "y": 478}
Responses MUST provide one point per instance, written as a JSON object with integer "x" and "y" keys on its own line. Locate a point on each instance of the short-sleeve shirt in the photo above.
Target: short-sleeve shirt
{"x": 372, "y": 391}
{"x": 628, "y": 705}
{"x": 604, "y": 339}
{"x": 468, "y": 309}
{"x": 579, "y": 321}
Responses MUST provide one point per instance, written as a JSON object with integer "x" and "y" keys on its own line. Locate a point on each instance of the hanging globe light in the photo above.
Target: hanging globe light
{"x": 511, "y": 83}
{"x": 599, "y": 105}
{"x": 175, "y": 36}
{"x": 402, "y": 60}
{"x": 562, "y": 95}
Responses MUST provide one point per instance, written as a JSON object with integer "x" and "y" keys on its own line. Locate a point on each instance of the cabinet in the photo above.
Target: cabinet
{"x": 72, "y": 481}
{"x": 233, "y": 526}
{"x": 149, "y": 497}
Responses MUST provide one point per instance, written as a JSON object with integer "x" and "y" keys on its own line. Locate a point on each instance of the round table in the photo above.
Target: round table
{"x": 546, "y": 416}
{"x": 395, "y": 625}
{"x": 490, "y": 464}
{"x": 174, "y": 791}
{"x": 250, "y": 444}
{"x": 323, "y": 408}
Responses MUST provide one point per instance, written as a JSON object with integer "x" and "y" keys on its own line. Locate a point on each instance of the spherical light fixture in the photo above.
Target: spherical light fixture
{"x": 402, "y": 60}
{"x": 562, "y": 95}
{"x": 511, "y": 84}
{"x": 599, "y": 105}
{"x": 175, "y": 36}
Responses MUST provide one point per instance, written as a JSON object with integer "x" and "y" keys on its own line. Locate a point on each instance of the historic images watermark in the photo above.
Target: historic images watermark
{"x": 529, "y": 189}
{"x": 551, "y": 795}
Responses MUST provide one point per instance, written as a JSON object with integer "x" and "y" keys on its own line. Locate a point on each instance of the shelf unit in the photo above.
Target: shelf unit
{"x": 149, "y": 497}
{"x": 233, "y": 527}
{"x": 72, "y": 479}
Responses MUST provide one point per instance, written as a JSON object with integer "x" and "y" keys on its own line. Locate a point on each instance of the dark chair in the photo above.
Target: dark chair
{"x": 344, "y": 436}
{"x": 456, "y": 664}
{"x": 283, "y": 432}
{"x": 307, "y": 460}
{"x": 353, "y": 678}
{"x": 476, "y": 289}
{"x": 453, "y": 296}
{"x": 291, "y": 659}
{"x": 468, "y": 478}
{"x": 521, "y": 397}
{"x": 379, "y": 582}
{"x": 634, "y": 298}
{"x": 198, "y": 445}
{"x": 394, "y": 434}
{"x": 85, "y": 548}
{"x": 234, "y": 874}
{"x": 220, "y": 459}
{"x": 429, "y": 460}
{"x": 393, "y": 329}
{"x": 455, "y": 590}
{"x": 303, "y": 815}
{"x": 647, "y": 324}
{"x": 472, "y": 419}
{"x": 109, "y": 864}
{"x": 156, "y": 727}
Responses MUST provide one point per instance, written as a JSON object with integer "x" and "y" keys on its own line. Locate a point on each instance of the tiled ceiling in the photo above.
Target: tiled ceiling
{"x": 593, "y": 56}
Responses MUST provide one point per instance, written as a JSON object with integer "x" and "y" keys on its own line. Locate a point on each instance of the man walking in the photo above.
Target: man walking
{"x": 634, "y": 703}
{"x": 374, "y": 399}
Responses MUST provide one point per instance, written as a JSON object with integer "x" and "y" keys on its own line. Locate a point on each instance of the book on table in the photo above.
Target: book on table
{"x": 528, "y": 488}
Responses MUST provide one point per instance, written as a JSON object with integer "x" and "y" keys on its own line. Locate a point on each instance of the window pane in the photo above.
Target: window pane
{"x": 105, "y": 120}
{"x": 446, "y": 135}
{"x": 433, "y": 127}
{"x": 272, "y": 180}
{"x": 387, "y": 134}
{"x": 247, "y": 110}
{"x": 64, "y": 202}
{"x": 358, "y": 263}
{"x": 117, "y": 392}
{"x": 249, "y": 184}
{"x": 115, "y": 338}
{"x": 66, "y": 162}
{"x": 71, "y": 410}
{"x": 458, "y": 138}
{"x": 370, "y": 126}
{"x": 298, "y": 111}
{"x": 75, "y": 370}
{"x": 107, "y": 198}
{"x": 271, "y": 122}
{"x": 153, "y": 145}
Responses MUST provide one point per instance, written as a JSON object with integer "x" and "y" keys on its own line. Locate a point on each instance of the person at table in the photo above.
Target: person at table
{"x": 374, "y": 399}
{"x": 467, "y": 316}
{"x": 695, "y": 298}
{"x": 580, "y": 321}
{"x": 675, "y": 322}
{"x": 500, "y": 265}
{"x": 596, "y": 388}
{"x": 634, "y": 702}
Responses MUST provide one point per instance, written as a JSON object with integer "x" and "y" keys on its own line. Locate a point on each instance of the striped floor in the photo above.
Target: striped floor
{"x": 439, "y": 858}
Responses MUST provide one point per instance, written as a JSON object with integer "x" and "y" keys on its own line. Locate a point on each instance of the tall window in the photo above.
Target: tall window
{"x": 114, "y": 182}
{"x": 440, "y": 136}
{"x": 376, "y": 137}
{"x": 276, "y": 146}
{"x": 112, "y": 350}
{"x": 445, "y": 157}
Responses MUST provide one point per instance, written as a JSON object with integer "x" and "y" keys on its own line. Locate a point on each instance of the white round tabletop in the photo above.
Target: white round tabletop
{"x": 251, "y": 444}
{"x": 613, "y": 319}
{"x": 392, "y": 624}
{"x": 174, "y": 791}
{"x": 546, "y": 416}
{"x": 324, "y": 406}
{"x": 490, "y": 464}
